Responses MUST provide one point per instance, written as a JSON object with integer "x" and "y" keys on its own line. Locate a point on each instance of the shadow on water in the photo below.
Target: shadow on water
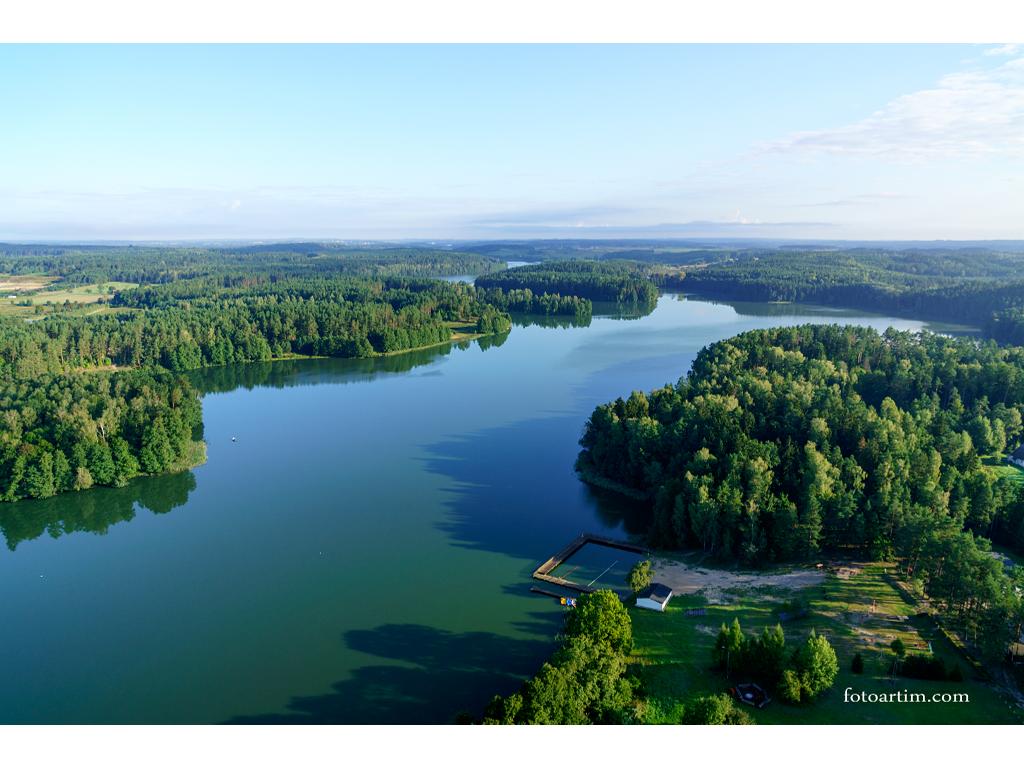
{"x": 513, "y": 490}
{"x": 440, "y": 674}
{"x": 93, "y": 511}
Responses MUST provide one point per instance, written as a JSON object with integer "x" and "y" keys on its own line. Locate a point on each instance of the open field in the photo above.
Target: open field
{"x": 858, "y": 609}
{"x": 713, "y": 583}
{"x": 24, "y": 283}
{"x": 26, "y": 298}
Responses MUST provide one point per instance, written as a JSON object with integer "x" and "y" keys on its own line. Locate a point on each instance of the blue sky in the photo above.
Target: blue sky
{"x": 248, "y": 142}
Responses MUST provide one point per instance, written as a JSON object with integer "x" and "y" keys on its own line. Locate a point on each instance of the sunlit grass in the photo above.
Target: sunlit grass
{"x": 864, "y": 614}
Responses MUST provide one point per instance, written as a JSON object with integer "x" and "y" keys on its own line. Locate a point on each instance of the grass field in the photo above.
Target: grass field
{"x": 24, "y": 283}
{"x": 29, "y": 293}
{"x": 1002, "y": 469}
{"x": 862, "y": 613}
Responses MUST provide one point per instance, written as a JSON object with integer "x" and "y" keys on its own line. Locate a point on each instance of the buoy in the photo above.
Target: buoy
{"x": 234, "y": 439}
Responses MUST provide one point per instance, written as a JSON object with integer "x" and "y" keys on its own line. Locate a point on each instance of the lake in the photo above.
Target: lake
{"x": 360, "y": 553}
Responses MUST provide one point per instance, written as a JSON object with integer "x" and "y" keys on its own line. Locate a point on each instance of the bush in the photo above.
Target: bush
{"x": 714, "y": 710}
{"x": 789, "y": 687}
{"x": 923, "y": 667}
{"x": 857, "y": 665}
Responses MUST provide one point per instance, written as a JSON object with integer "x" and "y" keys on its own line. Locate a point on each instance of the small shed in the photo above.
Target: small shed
{"x": 1017, "y": 457}
{"x": 655, "y": 597}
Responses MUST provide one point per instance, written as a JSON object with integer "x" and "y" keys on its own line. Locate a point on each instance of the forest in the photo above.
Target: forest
{"x": 972, "y": 284}
{"x": 945, "y": 288}
{"x": 182, "y": 326}
{"x": 615, "y": 281}
{"x": 80, "y": 264}
{"x": 64, "y": 432}
{"x": 787, "y": 443}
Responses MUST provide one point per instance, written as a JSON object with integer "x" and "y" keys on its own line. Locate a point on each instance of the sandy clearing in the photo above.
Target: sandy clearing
{"x": 687, "y": 580}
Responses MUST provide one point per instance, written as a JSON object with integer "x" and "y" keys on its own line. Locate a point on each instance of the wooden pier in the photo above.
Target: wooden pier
{"x": 543, "y": 571}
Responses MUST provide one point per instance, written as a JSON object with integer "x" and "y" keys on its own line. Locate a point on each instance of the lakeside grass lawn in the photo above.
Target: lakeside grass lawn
{"x": 672, "y": 654}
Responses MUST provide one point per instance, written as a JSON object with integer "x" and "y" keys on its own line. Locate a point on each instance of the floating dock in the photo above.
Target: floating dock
{"x": 543, "y": 571}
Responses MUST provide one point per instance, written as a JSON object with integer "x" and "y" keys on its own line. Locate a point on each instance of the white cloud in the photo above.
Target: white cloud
{"x": 1010, "y": 49}
{"x": 968, "y": 114}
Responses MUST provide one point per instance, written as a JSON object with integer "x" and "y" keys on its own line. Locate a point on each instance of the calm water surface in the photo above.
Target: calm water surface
{"x": 362, "y": 553}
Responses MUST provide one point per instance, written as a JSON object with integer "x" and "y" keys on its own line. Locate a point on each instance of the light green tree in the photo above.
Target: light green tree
{"x": 639, "y": 576}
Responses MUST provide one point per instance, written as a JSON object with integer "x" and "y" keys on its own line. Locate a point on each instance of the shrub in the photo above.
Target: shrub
{"x": 857, "y": 665}
{"x": 923, "y": 667}
{"x": 789, "y": 687}
{"x": 714, "y": 710}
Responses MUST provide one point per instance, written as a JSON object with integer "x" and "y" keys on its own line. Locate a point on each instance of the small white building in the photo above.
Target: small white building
{"x": 1017, "y": 457}
{"x": 655, "y": 597}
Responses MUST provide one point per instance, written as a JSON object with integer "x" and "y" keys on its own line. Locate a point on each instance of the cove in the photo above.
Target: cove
{"x": 360, "y": 554}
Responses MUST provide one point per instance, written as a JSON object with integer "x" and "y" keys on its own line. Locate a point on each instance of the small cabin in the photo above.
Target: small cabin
{"x": 1017, "y": 457}
{"x": 654, "y": 598}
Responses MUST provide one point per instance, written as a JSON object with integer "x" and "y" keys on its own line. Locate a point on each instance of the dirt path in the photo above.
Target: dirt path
{"x": 687, "y": 580}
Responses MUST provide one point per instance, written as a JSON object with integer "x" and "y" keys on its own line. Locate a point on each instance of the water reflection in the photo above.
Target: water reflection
{"x": 549, "y": 321}
{"x": 301, "y": 372}
{"x": 615, "y": 311}
{"x": 93, "y": 511}
{"x": 792, "y": 309}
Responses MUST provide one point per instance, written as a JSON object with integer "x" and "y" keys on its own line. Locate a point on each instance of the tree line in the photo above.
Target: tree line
{"x": 183, "y": 327}
{"x": 525, "y": 301}
{"x": 615, "y": 281}
{"x": 83, "y": 264}
{"x": 965, "y": 286}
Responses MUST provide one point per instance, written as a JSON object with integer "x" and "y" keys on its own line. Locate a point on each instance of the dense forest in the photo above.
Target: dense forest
{"x": 525, "y": 301}
{"x": 1007, "y": 326}
{"x": 80, "y": 264}
{"x": 615, "y": 281}
{"x": 955, "y": 286}
{"x": 789, "y": 442}
{"x": 182, "y": 327}
{"x": 73, "y": 431}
